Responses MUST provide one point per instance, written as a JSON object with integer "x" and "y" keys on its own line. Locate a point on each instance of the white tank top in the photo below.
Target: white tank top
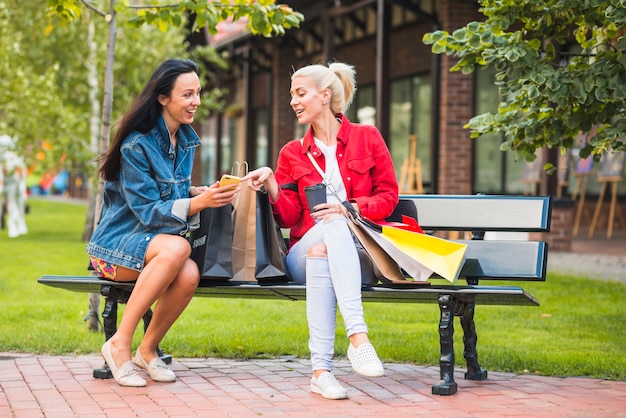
{"x": 332, "y": 172}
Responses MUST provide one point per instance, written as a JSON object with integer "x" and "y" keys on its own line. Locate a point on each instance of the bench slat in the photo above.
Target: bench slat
{"x": 505, "y": 260}
{"x": 489, "y": 295}
{"x": 478, "y": 212}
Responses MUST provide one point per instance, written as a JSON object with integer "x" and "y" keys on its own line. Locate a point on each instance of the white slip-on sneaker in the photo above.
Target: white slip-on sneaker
{"x": 327, "y": 386}
{"x": 365, "y": 361}
{"x": 126, "y": 374}
{"x": 157, "y": 369}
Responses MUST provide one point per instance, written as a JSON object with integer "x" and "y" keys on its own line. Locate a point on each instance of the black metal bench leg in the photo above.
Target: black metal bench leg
{"x": 470, "y": 338}
{"x": 447, "y": 385}
{"x": 109, "y": 319}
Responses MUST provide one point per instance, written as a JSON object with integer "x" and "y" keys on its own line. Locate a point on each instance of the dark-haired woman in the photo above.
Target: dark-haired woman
{"x": 149, "y": 207}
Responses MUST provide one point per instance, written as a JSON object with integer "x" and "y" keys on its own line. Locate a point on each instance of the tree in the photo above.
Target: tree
{"x": 263, "y": 18}
{"x": 46, "y": 74}
{"x": 559, "y": 68}
{"x": 36, "y": 103}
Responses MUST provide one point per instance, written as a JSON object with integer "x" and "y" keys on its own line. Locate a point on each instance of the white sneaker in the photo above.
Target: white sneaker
{"x": 327, "y": 386}
{"x": 365, "y": 361}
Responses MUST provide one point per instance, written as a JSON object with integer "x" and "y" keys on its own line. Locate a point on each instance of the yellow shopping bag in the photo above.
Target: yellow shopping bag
{"x": 442, "y": 256}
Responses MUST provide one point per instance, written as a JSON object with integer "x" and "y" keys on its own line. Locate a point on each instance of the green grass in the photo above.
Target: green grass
{"x": 579, "y": 329}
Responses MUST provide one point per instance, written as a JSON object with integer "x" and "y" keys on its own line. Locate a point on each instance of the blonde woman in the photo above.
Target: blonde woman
{"x": 357, "y": 165}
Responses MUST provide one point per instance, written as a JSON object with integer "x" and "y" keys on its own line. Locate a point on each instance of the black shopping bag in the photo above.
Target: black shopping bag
{"x": 258, "y": 248}
{"x": 270, "y": 245}
{"x": 212, "y": 243}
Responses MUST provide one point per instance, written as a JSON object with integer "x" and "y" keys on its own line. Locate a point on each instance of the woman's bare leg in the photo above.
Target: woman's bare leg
{"x": 169, "y": 307}
{"x": 165, "y": 258}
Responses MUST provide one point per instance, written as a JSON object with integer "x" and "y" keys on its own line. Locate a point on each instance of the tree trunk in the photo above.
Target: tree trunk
{"x": 93, "y": 324}
{"x": 103, "y": 143}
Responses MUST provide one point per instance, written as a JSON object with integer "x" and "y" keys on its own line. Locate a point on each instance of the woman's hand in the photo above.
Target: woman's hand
{"x": 329, "y": 209}
{"x": 197, "y": 190}
{"x": 212, "y": 196}
{"x": 262, "y": 177}
{"x": 258, "y": 177}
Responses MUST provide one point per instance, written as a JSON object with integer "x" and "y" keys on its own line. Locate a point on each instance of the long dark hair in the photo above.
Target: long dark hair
{"x": 145, "y": 111}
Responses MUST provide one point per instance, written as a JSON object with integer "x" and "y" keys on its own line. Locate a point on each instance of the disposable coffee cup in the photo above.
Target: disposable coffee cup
{"x": 315, "y": 195}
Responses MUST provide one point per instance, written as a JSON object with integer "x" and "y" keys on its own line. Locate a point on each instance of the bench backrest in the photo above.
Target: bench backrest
{"x": 482, "y": 212}
{"x": 499, "y": 259}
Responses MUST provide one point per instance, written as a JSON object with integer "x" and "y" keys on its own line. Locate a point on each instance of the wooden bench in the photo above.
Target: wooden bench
{"x": 508, "y": 260}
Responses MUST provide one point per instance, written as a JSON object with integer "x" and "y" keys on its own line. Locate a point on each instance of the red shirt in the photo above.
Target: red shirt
{"x": 366, "y": 169}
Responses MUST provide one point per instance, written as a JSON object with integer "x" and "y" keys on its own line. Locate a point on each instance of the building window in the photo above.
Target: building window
{"x": 495, "y": 171}
{"x": 410, "y": 115}
{"x": 208, "y": 152}
{"x": 261, "y": 137}
{"x": 229, "y": 144}
{"x": 410, "y": 108}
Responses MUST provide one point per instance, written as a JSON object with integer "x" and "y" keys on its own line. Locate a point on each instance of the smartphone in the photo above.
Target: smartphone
{"x": 227, "y": 179}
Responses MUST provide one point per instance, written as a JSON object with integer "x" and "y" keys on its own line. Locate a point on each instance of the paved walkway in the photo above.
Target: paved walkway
{"x": 62, "y": 387}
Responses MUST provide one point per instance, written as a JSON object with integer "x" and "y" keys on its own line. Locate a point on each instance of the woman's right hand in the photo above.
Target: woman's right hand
{"x": 263, "y": 177}
{"x": 213, "y": 196}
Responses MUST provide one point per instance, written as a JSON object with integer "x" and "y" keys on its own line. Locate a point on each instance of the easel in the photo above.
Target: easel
{"x": 411, "y": 174}
{"x": 614, "y": 180}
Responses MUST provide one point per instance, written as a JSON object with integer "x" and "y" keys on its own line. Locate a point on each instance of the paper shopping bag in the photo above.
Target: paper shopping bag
{"x": 244, "y": 235}
{"x": 382, "y": 262}
{"x": 257, "y": 251}
{"x": 442, "y": 256}
{"x": 416, "y": 253}
{"x": 409, "y": 267}
{"x": 212, "y": 243}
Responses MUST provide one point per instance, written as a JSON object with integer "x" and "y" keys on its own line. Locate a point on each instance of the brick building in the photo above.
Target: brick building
{"x": 403, "y": 89}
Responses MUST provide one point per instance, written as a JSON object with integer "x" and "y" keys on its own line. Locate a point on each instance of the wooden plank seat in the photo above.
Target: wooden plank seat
{"x": 486, "y": 260}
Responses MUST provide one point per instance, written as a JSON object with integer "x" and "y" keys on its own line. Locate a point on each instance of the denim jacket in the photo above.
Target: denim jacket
{"x": 150, "y": 198}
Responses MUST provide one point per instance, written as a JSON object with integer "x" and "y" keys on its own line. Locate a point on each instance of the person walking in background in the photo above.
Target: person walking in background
{"x": 323, "y": 253}
{"x": 13, "y": 193}
{"x": 149, "y": 207}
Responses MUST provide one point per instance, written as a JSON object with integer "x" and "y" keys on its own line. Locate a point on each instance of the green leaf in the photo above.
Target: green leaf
{"x": 486, "y": 37}
{"x": 460, "y": 35}
{"x": 474, "y": 41}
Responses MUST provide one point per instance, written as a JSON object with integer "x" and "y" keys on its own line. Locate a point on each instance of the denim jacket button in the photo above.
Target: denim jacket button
{"x": 147, "y": 238}
{"x": 138, "y": 265}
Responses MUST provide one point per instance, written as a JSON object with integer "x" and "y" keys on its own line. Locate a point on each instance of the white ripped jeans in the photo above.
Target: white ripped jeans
{"x": 331, "y": 281}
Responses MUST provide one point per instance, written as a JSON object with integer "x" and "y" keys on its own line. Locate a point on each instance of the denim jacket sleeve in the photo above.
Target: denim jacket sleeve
{"x": 153, "y": 196}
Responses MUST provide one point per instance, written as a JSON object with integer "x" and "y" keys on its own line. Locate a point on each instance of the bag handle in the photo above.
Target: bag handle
{"x": 236, "y": 169}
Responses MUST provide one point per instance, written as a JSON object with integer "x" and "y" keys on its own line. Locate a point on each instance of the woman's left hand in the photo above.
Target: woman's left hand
{"x": 197, "y": 190}
{"x": 329, "y": 209}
